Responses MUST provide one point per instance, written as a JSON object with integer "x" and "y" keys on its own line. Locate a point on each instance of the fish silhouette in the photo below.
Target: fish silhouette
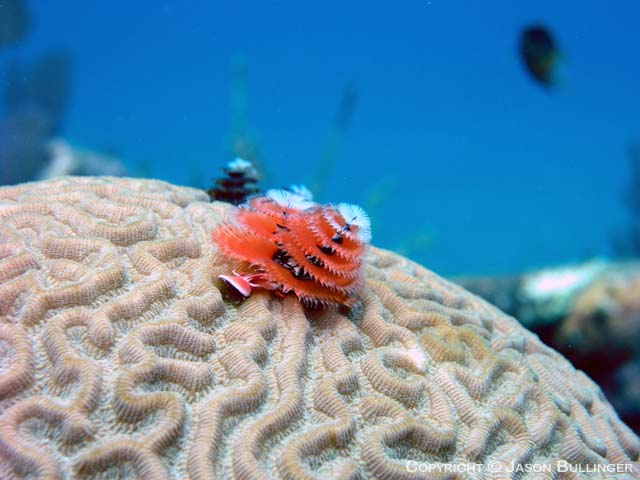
{"x": 540, "y": 54}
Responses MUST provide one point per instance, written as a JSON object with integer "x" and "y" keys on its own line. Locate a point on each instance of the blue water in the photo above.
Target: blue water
{"x": 477, "y": 168}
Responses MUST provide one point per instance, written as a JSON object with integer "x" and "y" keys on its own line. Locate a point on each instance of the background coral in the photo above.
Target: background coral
{"x": 627, "y": 243}
{"x": 589, "y": 312}
{"x": 119, "y": 358}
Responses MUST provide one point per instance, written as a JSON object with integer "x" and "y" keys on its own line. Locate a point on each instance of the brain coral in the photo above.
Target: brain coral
{"x": 120, "y": 358}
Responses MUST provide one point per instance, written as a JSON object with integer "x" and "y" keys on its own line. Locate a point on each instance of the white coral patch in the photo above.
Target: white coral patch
{"x": 554, "y": 290}
{"x": 288, "y": 199}
{"x": 356, "y": 217}
{"x": 418, "y": 358}
{"x": 560, "y": 280}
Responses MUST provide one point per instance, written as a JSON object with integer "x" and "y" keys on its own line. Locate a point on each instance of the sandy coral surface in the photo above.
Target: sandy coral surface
{"x": 120, "y": 358}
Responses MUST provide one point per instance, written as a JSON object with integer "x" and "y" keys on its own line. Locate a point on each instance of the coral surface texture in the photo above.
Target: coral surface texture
{"x": 120, "y": 357}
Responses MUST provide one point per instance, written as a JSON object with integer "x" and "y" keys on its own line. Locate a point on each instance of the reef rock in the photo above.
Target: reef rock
{"x": 120, "y": 358}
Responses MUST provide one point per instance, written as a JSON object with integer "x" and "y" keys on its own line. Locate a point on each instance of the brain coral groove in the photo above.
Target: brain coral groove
{"x": 121, "y": 358}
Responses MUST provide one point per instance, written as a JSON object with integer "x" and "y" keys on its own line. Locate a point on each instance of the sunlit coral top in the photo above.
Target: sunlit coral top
{"x": 293, "y": 245}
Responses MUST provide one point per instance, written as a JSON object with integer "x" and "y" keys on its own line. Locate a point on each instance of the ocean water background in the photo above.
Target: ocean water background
{"x": 474, "y": 167}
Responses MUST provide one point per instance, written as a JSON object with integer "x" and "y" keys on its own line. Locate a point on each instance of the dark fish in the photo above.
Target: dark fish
{"x": 540, "y": 54}
{"x": 14, "y": 21}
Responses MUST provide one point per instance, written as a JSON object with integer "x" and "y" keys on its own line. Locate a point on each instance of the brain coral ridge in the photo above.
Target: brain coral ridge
{"x": 121, "y": 358}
